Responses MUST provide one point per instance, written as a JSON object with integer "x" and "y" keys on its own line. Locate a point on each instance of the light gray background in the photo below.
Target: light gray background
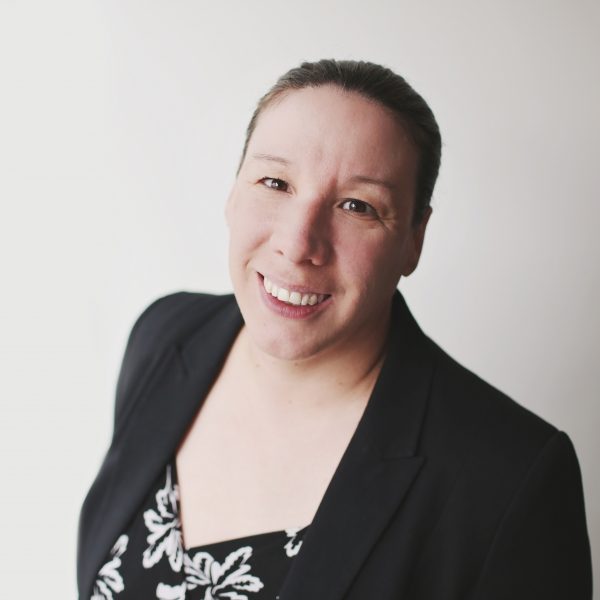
{"x": 121, "y": 124}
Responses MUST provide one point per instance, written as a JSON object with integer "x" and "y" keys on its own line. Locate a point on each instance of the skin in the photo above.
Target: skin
{"x": 292, "y": 218}
{"x": 274, "y": 426}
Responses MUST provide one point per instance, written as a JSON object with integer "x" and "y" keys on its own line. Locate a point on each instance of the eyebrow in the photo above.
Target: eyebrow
{"x": 272, "y": 158}
{"x": 373, "y": 181}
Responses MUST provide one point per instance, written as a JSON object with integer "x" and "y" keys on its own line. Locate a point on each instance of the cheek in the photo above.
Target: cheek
{"x": 246, "y": 233}
{"x": 370, "y": 264}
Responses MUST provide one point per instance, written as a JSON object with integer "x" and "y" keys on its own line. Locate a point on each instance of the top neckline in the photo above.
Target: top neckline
{"x": 263, "y": 537}
{"x": 266, "y": 539}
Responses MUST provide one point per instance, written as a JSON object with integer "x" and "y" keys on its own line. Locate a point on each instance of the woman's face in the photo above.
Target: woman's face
{"x": 320, "y": 216}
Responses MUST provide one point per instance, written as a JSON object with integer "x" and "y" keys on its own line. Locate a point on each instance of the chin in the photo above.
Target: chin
{"x": 282, "y": 348}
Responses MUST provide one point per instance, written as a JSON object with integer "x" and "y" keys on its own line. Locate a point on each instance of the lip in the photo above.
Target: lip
{"x": 290, "y": 311}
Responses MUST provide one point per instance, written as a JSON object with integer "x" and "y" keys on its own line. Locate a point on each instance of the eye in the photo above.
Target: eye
{"x": 275, "y": 184}
{"x": 359, "y": 206}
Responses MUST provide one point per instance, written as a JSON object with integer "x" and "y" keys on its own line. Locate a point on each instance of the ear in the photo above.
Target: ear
{"x": 416, "y": 242}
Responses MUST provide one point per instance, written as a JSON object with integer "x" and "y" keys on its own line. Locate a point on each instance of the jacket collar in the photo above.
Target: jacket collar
{"x": 375, "y": 472}
{"x": 366, "y": 489}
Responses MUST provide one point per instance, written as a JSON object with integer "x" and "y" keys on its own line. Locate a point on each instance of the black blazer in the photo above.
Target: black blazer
{"x": 448, "y": 489}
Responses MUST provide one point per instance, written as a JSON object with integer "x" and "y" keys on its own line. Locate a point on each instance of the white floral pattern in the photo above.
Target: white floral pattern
{"x": 221, "y": 581}
{"x": 292, "y": 546}
{"x": 154, "y": 541}
{"x": 109, "y": 579}
{"x": 171, "y": 592}
{"x": 163, "y": 524}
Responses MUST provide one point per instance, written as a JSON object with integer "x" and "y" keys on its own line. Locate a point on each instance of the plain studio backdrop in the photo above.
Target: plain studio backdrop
{"x": 121, "y": 126}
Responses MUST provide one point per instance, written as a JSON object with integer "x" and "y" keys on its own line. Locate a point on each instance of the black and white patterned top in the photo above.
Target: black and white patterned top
{"x": 149, "y": 560}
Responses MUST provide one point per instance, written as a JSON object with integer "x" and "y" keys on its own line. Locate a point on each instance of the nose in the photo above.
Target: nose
{"x": 302, "y": 233}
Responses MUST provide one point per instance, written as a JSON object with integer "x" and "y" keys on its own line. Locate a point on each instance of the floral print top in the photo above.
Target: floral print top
{"x": 149, "y": 560}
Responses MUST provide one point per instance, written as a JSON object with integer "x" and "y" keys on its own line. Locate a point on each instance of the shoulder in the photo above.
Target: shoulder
{"x": 476, "y": 400}
{"x": 510, "y": 475}
{"x": 461, "y": 412}
{"x": 167, "y": 320}
{"x": 464, "y": 419}
{"x": 494, "y": 449}
{"x": 471, "y": 418}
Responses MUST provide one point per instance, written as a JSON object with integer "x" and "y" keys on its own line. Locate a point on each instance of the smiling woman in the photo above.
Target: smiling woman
{"x": 303, "y": 438}
{"x": 318, "y": 209}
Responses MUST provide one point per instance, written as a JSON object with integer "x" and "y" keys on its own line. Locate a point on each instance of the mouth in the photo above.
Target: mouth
{"x": 293, "y": 296}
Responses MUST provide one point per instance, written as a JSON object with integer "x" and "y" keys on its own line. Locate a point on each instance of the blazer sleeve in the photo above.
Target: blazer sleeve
{"x": 541, "y": 548}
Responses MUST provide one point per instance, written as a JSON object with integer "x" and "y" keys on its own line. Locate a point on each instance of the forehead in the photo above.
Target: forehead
{"x": 334, "y": 129}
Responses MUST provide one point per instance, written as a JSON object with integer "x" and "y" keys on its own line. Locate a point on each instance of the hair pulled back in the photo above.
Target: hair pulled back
{"x": 382, "y": 85}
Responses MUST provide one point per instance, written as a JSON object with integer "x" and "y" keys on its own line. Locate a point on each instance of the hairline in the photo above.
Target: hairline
{"x": 276, "y": 96}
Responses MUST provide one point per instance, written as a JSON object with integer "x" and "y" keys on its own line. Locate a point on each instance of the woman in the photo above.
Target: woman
{"x": 303, "y": 439}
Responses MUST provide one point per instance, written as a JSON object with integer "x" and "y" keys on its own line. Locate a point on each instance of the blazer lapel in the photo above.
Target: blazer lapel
{"x": 147, "y": 440}
{"x": 374, "y": 474}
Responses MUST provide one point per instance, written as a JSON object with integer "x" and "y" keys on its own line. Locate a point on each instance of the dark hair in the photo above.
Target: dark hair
{"x": 382, "y": 85}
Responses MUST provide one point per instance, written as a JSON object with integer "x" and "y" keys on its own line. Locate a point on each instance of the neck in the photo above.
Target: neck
{"x": 330, "y": 378}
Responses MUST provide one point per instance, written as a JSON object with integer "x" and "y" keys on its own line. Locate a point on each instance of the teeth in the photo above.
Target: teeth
{"x": 295, "y": 298}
